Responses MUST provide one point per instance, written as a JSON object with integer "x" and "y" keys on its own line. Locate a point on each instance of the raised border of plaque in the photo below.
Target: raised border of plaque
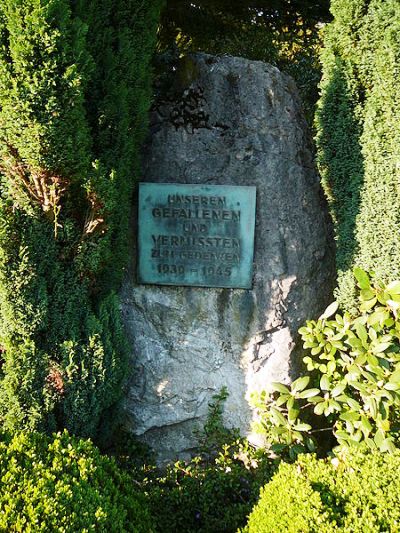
{"x": 196, "y": 235}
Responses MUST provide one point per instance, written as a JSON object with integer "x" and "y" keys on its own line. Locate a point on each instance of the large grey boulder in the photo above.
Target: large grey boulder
{"x": 237, "y": 122}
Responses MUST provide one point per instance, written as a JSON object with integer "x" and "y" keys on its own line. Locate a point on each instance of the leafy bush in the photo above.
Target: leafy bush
{"x": 354, "y": 373}
{"x": 207, "y": 495}
{"x": 357, "y": 493}
{"x": 359, "y": 138}
{"x": 65, "y": 484}
{"x": 216, "y": 490}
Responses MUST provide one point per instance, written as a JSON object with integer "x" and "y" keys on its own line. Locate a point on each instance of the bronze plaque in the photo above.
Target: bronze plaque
{"x": 198, "y": 235}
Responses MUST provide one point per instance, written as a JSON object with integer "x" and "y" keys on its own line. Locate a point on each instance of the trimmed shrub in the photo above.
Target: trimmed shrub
{"x": 64, "y": 484}
{"x": 357, "y": 493}
{"x": 74, "y": 92}
{"x": 359, "y": 138}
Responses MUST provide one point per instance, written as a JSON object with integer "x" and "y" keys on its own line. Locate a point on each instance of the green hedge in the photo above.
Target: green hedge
{"x": 74, "y": 93}
{"x": 359, "y": 137}
{"x": 357, "y": 493}
{"x": 64, "y": 484}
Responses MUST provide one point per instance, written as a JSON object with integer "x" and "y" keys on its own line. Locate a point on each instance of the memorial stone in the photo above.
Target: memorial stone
{"x": 226, "y": 122}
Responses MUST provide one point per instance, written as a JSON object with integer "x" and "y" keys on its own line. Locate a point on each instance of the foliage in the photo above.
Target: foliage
{"x": 357, "y": 492}
{"x": 215, "y": 490}
{"x": 215, "y": 434}
{"x": 353, "y": 378}
{"x": 207, "y": 495}
{"x": 359, "y": 138}
{"x": 74, "y": 90}
{"x": 282, "y": 33}
{"x": 64, "y": 484}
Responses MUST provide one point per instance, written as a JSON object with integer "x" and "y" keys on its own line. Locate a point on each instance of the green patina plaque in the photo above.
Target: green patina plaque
{"x": 198, "y": 235}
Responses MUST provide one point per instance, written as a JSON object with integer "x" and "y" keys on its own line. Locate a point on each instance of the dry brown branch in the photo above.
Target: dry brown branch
{"x": 94, "y": 218}
{"x": 42, "y": 186}
{"x": 56, "y": 381}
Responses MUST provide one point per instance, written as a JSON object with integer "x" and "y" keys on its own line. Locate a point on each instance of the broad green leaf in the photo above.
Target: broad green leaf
{"x": 277, "y": 417}
{"x": 280, "y": 387}
{"x": 391, "y": 386}
{"x": 370, "y": 443}
{"x": 293, "y": 414}
{"x": 302, "y": 427}
{"x": 330, "y": 310}
{"x": 300, "y": 384}
{"x": 331, "y": 367}
{"x": 341, "y": 435}
{"x": 378, "y": 316}
{"x": 393, "y": 305}
{"x": 368, "y": 304}
{"x": 354, "y": 404}
{"x": 362, "y": 278}
{"x": 373, "y": 408}
{"x": 372, "y": 360}
{"x": 395, "y": 377}
{"x": 310, "y": 444}
{"x": 354, "y": 342}
{"x": 381, "y": 347}
{"x": 385, "y": 425}
{"x": 349, "y": 416}
{"x": 278, "y": 448}
{"x": 393, "y": 287}
{"x": 282, "y": 399}
{"x": 359, "y": 386}
{"x": 365, "y": 424}
{"x": 366, "y": 294}
{"x": 383, "y": 297}
{"x": 309, "y": 393}
{"x": 319, "y": 408}
{"x": 388, "y": 446}
{"x": 362, "y": 332}
{"x": 325, "y": 383}
{"x": 336, "y": 391}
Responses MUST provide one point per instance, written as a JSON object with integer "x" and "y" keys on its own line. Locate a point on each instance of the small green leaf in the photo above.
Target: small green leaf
{"x": 362, "y": 332}
{"x": 362, "y": 278}
{"x": 330, "y": 310}
{"x": 293, "y": 414}
{"x": 365, "y": 424}
{"x": 368, "y": 304}
{"x": 336, "y": 391}
{"x": 393, "y": 287}
{"x": 309, "y": 393}
{"x": 366, "y": 294}
{"x": 319, "y": 408}
{"x": 277, "y": 417}
{"x": 388, "y": 446}
{"x": 280, "y": 387}
{"x": 349, "y": 416}
{"x": 325, "y": 383}
{"x": 391, "y": 386}
{"x": 302, "y": 427}
{"x": 300, "y": 384}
